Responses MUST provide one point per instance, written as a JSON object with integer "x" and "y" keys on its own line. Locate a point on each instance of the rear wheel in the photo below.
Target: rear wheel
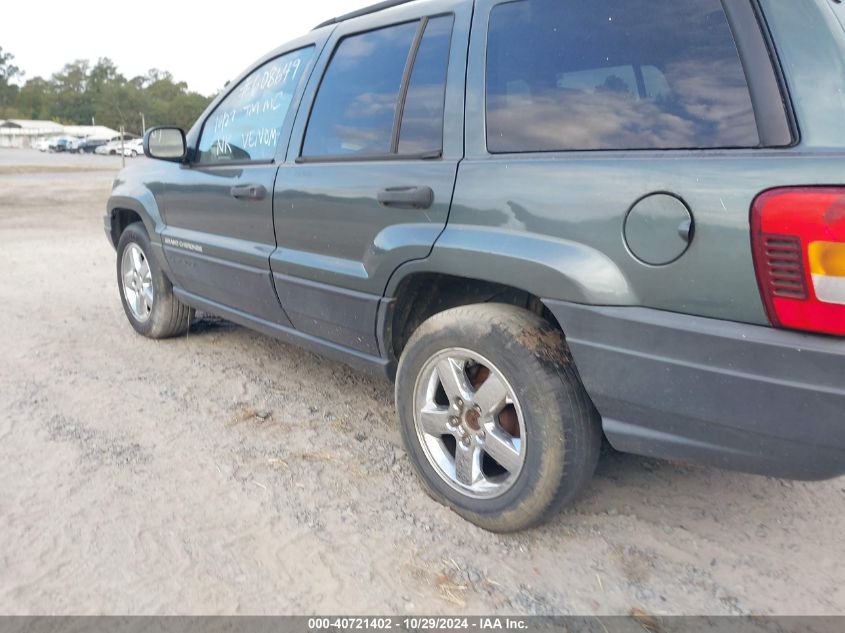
{"x": 146, "y": 293}
{"x": 494, "y": 416}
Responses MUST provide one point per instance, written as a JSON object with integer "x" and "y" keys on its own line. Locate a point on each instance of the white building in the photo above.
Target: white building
{"x": 24, "y": 133}
{"x": 96, "y": 132}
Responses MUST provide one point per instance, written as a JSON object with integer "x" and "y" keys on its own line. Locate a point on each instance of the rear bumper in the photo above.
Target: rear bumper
{"x": 731, "y": 395}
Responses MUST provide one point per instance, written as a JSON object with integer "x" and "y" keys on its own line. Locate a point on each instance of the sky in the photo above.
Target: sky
{"x": 202, "y": 43}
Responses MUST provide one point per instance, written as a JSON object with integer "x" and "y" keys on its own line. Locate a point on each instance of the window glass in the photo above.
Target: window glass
{"x": 614, "y": 74}
{"x": 619, "y": 78}
{"x": 247, "y": 123}
{"x": 422, "y": 119}
{"x": 839, "y": 10}
{"x": 355, "y": 108}
{"x": 655, "y": 84}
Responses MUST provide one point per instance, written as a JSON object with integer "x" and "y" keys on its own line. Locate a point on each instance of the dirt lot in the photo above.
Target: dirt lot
{"x": 229, "y": 473}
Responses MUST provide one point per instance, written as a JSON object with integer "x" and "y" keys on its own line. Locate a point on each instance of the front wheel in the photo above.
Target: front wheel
{"x": 494, "y": 416}
{"x": 146, "y": 293}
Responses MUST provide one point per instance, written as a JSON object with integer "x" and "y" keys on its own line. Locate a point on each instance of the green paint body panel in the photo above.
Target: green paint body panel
{"x": 572, "y": 209}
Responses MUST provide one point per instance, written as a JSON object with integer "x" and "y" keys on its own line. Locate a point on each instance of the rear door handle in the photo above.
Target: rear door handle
{"x": 406, "y": 197}
{"x": 248, "y": 192}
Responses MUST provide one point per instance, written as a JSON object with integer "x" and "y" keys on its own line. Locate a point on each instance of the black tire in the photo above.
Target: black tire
{"x": 562, "y": 427}
{"x": 169, "y": 317}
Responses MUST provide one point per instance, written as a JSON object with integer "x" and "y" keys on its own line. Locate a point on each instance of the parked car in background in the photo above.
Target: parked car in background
{"x": 89, "y": 145}
{"x": 111, "y": 148}
{"x": 133, "y": 148}
{"x": 74, "y": 144}
{"x": 114, "y": 147}
{"x": 57, "y": 144}
{"x": 548, "y": 221}
{"x": 64, "y": 144}
{"x": 43, "y": 144}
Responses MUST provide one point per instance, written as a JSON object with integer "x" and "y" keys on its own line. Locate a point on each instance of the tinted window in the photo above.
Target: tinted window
{"x": 355, "y": 107}
{"x": 614, "y": 74}
{"x": 422, "y": 119}
{"x": 839, "y": 10}
{"x": 247, "y": 123}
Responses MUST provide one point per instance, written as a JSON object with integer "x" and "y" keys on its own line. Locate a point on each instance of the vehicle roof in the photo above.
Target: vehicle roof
{"x": 373, "y": 8}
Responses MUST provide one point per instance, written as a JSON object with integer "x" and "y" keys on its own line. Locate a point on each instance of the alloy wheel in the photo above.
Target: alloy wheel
{"x": 137, "y": 282}
{"x": 469, "y": 423}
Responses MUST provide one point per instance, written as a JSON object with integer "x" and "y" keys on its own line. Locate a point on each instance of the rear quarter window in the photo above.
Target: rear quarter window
{"x": 614, "y": 74}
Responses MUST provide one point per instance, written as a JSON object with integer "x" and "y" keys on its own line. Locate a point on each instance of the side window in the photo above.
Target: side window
{"x": 619, "y": 78}
{"x": 355, "y": 107}
{"x": 615, "y": 74}
{"x": 422, "y": 118}
{"x": 363, "y": 96}
{"x": 839, "y": 10}
{"x": 247, "y": 123}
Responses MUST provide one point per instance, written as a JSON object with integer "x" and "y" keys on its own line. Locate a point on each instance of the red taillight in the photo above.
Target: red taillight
{"x": 798, "y": 239}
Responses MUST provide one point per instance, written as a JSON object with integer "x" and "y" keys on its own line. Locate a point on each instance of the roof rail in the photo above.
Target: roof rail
{"x": 365, "y": 11}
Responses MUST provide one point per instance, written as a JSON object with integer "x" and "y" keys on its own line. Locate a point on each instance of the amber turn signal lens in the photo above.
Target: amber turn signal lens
{"x": 827, "y": 258}
{"x": 827, "y": 265}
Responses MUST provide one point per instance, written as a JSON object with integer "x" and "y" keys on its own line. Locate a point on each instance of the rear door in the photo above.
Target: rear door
{"x": 219, "y": 207}
{"x": 370, "y": 172}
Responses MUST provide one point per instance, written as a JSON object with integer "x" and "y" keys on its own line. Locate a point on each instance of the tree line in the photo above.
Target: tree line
{"x": 82, "y": 92}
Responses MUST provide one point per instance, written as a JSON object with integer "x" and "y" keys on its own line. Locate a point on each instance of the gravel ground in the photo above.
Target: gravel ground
{"x": 226, "y": 472}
